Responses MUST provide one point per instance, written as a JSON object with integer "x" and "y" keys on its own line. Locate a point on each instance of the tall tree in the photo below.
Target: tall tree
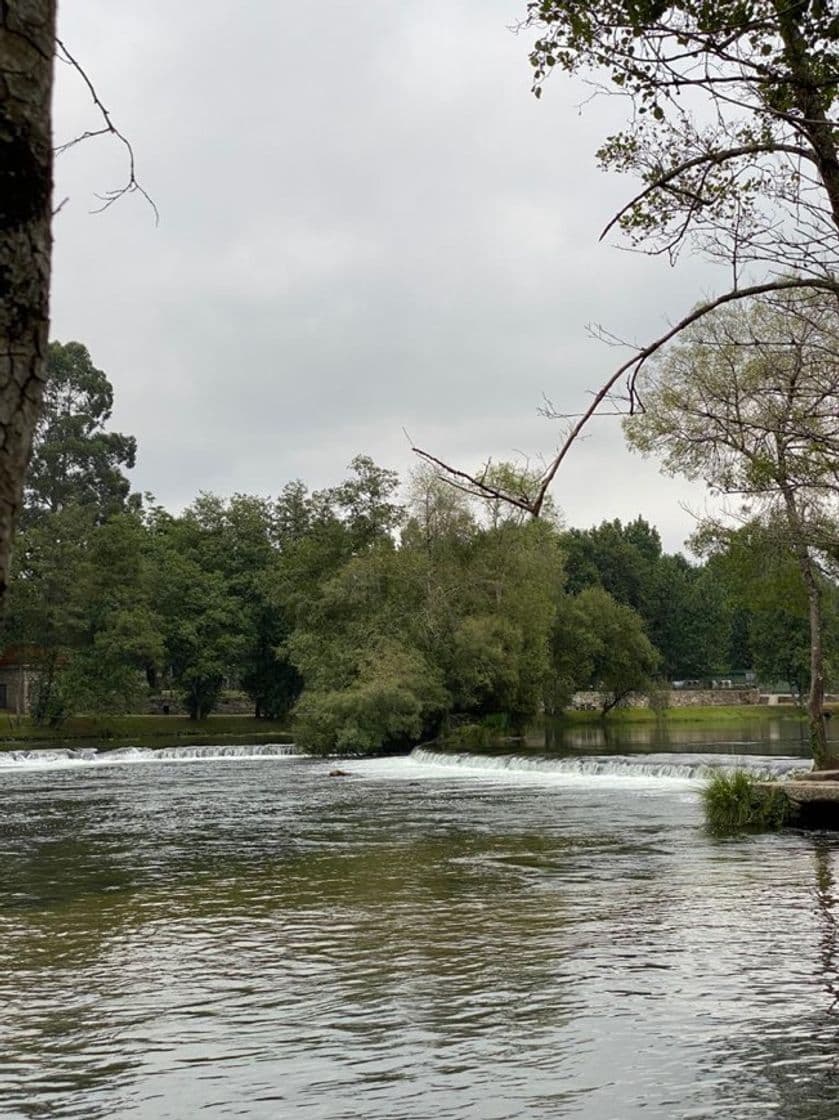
{"x": 82, "y": 603}
{"x": 683, "y": 614}
{"x": 748, "y": 402}
{"x": 240, "y": 540}
{"x": 754, "y": 568}
{"x": 27, "y": 33}
{"x": 201, "y": 620}
{"x": 74, "y": 458}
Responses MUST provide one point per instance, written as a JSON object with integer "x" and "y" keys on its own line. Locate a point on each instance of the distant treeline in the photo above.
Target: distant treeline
{"x": 367, "y": 613}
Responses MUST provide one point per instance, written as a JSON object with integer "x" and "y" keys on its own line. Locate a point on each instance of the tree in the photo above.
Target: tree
{"x": 240, "y": 539}
{"x": 81, "y": 601}
{"x": 201, "y": 620}
{"x": 456, "y": 619}
{"x": 734, "y": 135}
{"x": 27, "y": 33}
{"x": 754, "y": 568}
{"x": 756, "y": 180}
{"x": 365, "y": 502}
{"x": 599, "y": 643}
{"x": 683, "y": 614}
{"x": 748, "y": 402}
{"x": 74, "y": 459}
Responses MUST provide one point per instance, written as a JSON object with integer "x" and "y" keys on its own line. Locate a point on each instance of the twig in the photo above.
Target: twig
{"x": 109, "y": 128}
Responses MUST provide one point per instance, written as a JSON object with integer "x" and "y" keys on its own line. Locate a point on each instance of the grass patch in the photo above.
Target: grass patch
{"x": 15, "y": 730}
{"x": 735, "y": 803}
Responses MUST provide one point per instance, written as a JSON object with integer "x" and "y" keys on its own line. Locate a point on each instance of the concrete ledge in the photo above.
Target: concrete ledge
{"x": 814, "y": 800}
{"x": 819, "y": 776}
{"x": 807, "y": 789}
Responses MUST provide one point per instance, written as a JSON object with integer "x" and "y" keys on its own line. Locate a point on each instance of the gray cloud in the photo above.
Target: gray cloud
{"x": 367, "y": 223}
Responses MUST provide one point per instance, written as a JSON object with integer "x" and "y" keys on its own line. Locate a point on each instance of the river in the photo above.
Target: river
{"x": 532, "y": 934}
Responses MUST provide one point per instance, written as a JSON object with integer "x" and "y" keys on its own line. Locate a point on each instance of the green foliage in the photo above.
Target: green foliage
{"x": 735, "y": 804}
{"x": 600, "y": 644}
{"x": 74, "y": 459}
{"x": 238, "y": 539}
{"x": 201, "y": 622}
{"x": 472, "y": 607}
{"x": 99, "y": 685}
{"x": 717, "y": 90}
{"x": 316, "y": 604}
{"x": 685, "y": 616}
{"x": 745, "y": 400}
{"x": 753, "y": 568}
{"x": 393, "y": 697}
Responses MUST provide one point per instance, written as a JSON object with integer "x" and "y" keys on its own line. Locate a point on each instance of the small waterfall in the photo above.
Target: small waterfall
{"x": 681, "y": 766}
{"x": 34, "y": 757}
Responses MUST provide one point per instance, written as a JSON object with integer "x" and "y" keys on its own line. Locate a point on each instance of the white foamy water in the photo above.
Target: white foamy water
{"x": 42, "y": 758}
{"x": 669, "y": 766}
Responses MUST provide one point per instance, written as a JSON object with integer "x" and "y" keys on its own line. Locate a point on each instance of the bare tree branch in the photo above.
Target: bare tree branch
{"x": 533, "y": 505}
{"x": 132, "y": 186}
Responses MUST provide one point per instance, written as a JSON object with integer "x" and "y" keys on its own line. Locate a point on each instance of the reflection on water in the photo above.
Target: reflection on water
{"x": 773, "y": 735}
{"x": 418, "y": 940}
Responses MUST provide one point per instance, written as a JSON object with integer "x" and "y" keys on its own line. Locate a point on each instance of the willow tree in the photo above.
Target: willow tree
{"x": 748, "y": 401}
{"x": 27, "y": 43}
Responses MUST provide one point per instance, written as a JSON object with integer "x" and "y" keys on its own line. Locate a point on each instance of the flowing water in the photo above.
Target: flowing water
{"x": 524, "y": 934}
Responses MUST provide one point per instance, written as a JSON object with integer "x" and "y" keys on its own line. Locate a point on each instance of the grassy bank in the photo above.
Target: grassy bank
{"x": 142, "y": 729}
{"x": 734, "y": 713}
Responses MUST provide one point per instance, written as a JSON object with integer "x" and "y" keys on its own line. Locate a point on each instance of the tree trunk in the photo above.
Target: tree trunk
{"x": 27, "y": 41}
{"x": 815, "y": 698}
{"x": 808, "y": 94}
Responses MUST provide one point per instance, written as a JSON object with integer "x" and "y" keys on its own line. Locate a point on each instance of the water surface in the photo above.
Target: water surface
{"x": 436, "y": 936}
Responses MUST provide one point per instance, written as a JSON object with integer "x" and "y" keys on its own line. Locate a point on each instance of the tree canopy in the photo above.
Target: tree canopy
{"x": 74, "y": 458}
{"x": 733, "y": 137}
{"x": 747, "y": 400}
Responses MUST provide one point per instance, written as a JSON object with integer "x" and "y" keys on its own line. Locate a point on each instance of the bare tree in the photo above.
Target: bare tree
{"x": 748, "y": 400}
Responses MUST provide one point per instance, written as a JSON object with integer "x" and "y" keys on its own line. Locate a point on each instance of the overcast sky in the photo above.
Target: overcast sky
{"x": 367, "y": 224}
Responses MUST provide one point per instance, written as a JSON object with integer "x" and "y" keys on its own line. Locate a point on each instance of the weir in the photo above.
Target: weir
{"x": 81, "y": 756}
{"x": 689, "y": 767}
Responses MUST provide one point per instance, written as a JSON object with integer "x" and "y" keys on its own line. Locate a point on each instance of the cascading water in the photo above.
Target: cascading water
{"x": 681, "y": 766}
{"x": 81, "y": 756}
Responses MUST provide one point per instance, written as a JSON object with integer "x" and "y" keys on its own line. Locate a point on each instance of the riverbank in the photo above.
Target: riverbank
{"x": 753, "y": 713}
{"x": 147, "y": 730}
{"x": 159, "y": 729}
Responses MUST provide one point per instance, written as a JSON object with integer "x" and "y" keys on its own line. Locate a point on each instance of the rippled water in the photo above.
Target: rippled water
{"x": 429, "y": 937}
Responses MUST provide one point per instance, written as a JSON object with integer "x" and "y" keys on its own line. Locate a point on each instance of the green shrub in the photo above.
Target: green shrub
{"x": 735, "y": 803}
{"x": 394, "y": 697}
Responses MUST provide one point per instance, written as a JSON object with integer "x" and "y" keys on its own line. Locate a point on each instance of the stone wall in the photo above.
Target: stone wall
{"x": 672, "y": 698}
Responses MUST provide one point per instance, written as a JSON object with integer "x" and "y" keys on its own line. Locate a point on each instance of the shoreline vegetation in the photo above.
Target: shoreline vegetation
{"x": 150, "y": 730}
{"x": 374, "y": 614}
{"x": 154, "y": 729}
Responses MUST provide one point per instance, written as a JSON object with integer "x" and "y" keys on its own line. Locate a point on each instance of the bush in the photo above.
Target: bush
{"x": 735, "y": 803}
{"x": 393, "y": 699}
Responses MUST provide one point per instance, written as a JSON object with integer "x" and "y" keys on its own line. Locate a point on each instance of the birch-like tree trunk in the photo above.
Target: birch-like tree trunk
{"x": 815, "y": 698}
{"x": 27, "y": 43}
